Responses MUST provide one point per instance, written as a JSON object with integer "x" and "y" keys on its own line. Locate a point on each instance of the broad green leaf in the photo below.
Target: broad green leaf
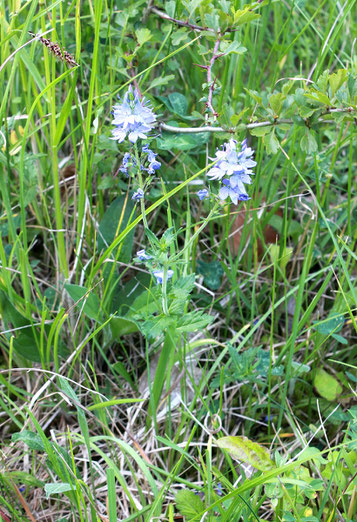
{"x": 243, "y": 16}
{"x": 332, "y": 325}
{"x": 22, "y": 478}
{"x": 31, "y": 439}
{"x": 271, "y": 143}
{"x": 247, "y": 451}
{"x": 179, "y": 37}
{"x": 294, "y": 227}
{"x": 194, "y": 321}
{"x": 158, "y": 82}
{"x": 121, "y": 326}
{"x": 326, "y": 385}
{"x": 56, "y": 488}
{"x": 282, "y": 259}
{"x": 318, "y": 96}
{"x": 336, "y": 80}
{"x": 115, "y": 220}
{"x": 276, "y": 102}
{"x": 182, "y": 141}
{"x": 212, "y": 273}
{"x": 170, "y": 7}
{"x": 308, "y": 142}
{"x": 189, "y": 504}
{"x": 235, "y": 47}
{"x": 260, "y": 131}
{"x": 91, "y": 302}
{"x": 143, "y": 35}
{"x": 178, "y": 103}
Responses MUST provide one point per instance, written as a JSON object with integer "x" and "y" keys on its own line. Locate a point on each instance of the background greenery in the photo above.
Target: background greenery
{"x": 249, "y": 414}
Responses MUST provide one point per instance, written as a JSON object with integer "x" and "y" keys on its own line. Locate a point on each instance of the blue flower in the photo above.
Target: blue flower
{"x": 153, "y": 163}
{"x": 230, "y": 162}
{"x": 236, "y": 192}
{"x": 133, "y": 117}
{"x": 202, "y": 194}
{"x": 143, "y": 256}
{"x": 159, "y": 274}
{"x": 125, "y": 164}
{"x": 138, "y": 195}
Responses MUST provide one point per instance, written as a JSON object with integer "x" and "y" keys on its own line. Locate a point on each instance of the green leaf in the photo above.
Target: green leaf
{"x": 333, "y": 325}
{"x": 247, "y": 451}
{"x": 260, "y": 131}
{"x": 193, "y": 321}
{"x": 276, "y": 102}
{"x": 121, "y": 326}
{"x": 171, "y": 141}
{"x": 178, "y": 103}
{"x": 308, "y": 142}
{"x": 285, "y": 257}
{"x": 170, "y": 8}
{"x": 22, "y": 478}
{"x": 271, "y": 143}
{"x": 179, "y": 37}
{"x": 256, "y": 97}
{"x": 115, "y": 220}
{"x": 189, "y": 504}
{"x": 294, "y": 227}
{"x": 91, "y": 302}
{"x": 337, "y": 79}
{"x": 318, "y": 96}
{"x": 158, "y": 82}
{"x": 326, "y": 385}
{"x": 55, "y": 488}
{"x": 143, "y": 35}
{"x": 235, "y": 47}
{"x": 31, "y": 439}
{"x": 212, "y": 273}
{"x": 243, "y": 16}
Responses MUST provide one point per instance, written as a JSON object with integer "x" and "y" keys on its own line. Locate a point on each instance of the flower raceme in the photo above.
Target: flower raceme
{"x": 133, "y": 117}
{"x": 233, "y": 168}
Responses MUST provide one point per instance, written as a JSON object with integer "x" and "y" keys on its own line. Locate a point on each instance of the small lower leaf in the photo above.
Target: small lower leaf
{"x": 326, "y": 385}
{"x": 56, "y": 488}
{"x": 189, "y": 504}
{"x": 247, "y": 451}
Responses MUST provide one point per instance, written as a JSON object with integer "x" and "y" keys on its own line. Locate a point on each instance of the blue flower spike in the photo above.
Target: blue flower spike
{"x": 139, "y": 194}
{"x": 133, "y": 117}
{"x": 142, "y": 255}
{"x": 234, "y": 169}
{"x": 202, "y": 194}
{"x": 159, "y": 274}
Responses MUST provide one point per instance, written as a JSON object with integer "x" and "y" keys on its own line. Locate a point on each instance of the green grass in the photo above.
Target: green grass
{"x": 115, "y": 392}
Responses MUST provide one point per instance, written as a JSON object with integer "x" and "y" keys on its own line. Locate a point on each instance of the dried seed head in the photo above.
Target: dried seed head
{"x": 56, "y": 50}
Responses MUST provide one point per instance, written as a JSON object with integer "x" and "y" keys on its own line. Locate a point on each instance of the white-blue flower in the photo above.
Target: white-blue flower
{"x": 236, "y": 191}
{"x": 230, "y": 161}
{"x": 139, "y": 194}
{"x": 132, "y": 117}
{"x": 159, "y": 274}
{"x": 142, "y": 255}
{"x": 202, "y": 194}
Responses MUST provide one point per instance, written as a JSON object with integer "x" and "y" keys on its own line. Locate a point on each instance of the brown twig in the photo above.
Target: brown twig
{"x": 211, "y": 83}
{"x": 194, "y": 27}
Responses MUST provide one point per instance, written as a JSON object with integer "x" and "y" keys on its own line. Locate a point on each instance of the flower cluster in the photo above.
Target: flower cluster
{"x": 148, "y": 159}
{"x": 153, "y": 164}
{"x": 159, "y": 274}
{"x": 233, "y": 169}
{"x": 132, "y": 117}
